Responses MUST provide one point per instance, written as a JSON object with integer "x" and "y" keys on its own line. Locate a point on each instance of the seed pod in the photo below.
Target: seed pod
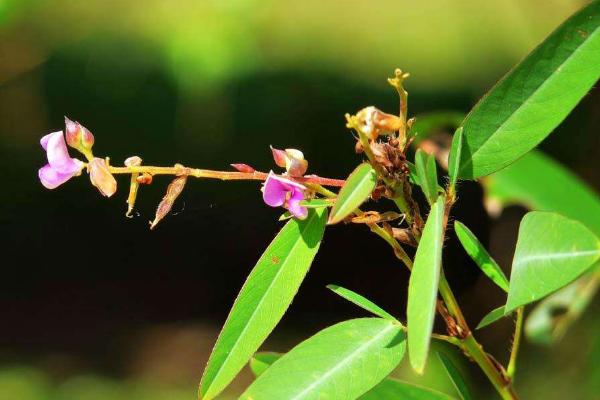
{"x": 173, "y": 191}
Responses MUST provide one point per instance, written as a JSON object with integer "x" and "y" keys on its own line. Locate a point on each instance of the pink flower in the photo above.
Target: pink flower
{"x": 278, "y": 191}
{"x": 61, "y": 167}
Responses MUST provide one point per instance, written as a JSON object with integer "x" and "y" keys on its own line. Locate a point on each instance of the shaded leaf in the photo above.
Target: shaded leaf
{"x": 426, "y": 124}
{"x": 551, "y": 252}
{"x": 263, "y": 360}
{"x": 356, "y": 190}
{"x": 455, "y": 154}
{"x": 455, "y": 377}
{"x": 343, "y": 362}
{"x": 427, "y": 173}
{"x": 549, "y": 320}
{"x": 491, "y": 317}
{"x": 479, "y": 254}
{"x": 533, "y": 98}
{"x": 423, "y": 287}
{"x": 263, "y": 299}
{"x": 360, "y": 301}
{"x": 538, "y": 182}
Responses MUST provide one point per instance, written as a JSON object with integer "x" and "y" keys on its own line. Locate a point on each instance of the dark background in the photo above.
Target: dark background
{"x": 85, "y": 291}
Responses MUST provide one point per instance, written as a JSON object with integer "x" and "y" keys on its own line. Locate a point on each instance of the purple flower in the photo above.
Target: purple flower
{"x": 61, "y": 167}
{"x": 278, "y": 191}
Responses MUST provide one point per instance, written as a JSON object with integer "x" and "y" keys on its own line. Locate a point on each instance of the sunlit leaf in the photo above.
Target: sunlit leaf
{"x": 479, "y": 254}
{"x": 532, "y": 99}
{"x": 427, "y": 173}
{"x": 360, "y": 301}
{"x": 491, "y": 317}
{"x": 356, "y": 190}
{"x": 551, "y": 252}
{"x": 316, "y": 203}
{"x": 263, "y": 299}
{"x": 538, "y": 182}
{"x": 455, "y": 377}
{"x": 455, "y": 154}
{"x": 388, "y": 389}
{"x": 340, "y": 362}
{"x": 549, "y": 320}
{"x": 423, "y": 287}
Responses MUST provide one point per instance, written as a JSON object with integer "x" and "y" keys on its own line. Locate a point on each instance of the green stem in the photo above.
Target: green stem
{"x": 512, "y": 364}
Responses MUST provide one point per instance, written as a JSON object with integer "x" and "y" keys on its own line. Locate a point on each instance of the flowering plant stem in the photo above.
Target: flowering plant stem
{"x": 222, "y": 175}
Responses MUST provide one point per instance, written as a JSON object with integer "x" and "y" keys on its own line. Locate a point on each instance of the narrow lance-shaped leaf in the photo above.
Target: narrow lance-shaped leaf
{"x": 455, "y": 376}
{"x": 263, "y": 300}
{"x": 360, "y": 301}
{"x": 423, "y": 287}
{"x": 426, "y": 170}
{"x": 538, "y": 182}
{"x": 551, "y": 252}
{"x": 533, "y": 98}
{"x": 356, "y": 190}
{"x": 388, "y": 389}
{"x": 491, "y": 317}
{"x": 549, "y": 320}
{"x": 454, "y": 158}
{"x": 479, "y": 254}
{"x": 340, "y": 362}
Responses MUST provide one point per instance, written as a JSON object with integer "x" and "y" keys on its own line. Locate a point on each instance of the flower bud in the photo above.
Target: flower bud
{"x": 279, "y": 156}
{"x": 101, "y": 177}
{"x": 79, "y": 137}
{"x": 243, "y": 168}
{"x": 133, "y": 161}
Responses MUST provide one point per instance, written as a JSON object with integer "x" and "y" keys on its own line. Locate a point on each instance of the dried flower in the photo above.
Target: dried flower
{"x": 374, "y": 122}
{"x": 173, "y": 191}
{"x": 61, "y": 167}
{"x": 278, "y": 191}
{"x": 101, "y": 177}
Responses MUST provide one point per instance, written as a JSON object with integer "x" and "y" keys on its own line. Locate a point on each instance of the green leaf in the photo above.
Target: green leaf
{"x": 393, "y": 389}
{"x": 426, "y": 124}
{"x": 412, "y": 173}
{"x": 551, "y": 318}
{"x": 388, "y": 389}
{"x": 538, "y": 182}
{"x": 360, "y": 301}
{"x": 427, "y": 173}
{"x": 551, "y": 252}
{"x": 455, "y": 377}
{"x": 491, "y": 317}
{"x": 340, "y": 362}
{"x": 263, "y": 360}
{"x": 479, "y": 254}
{"x": 533, "y": 98}
{"x": 455, "y": 154}
{"x": 316, "y": 203}
{"x": 423, "y": 287}
{"x": 356, "y": 190}
{"x": 263, "y": 299}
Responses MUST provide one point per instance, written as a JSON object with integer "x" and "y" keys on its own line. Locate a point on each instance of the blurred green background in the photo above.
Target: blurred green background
{"x": 94, "y": 306}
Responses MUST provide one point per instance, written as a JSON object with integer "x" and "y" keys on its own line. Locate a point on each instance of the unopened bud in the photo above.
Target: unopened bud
{"x": 144, "y": 179}
{"x": 243, "y": 168}
{"x": 101, "y": 177}
{"x": 133, "y": 161}
{"x": 78, "y": 137}
{"x": 279, "y": 156}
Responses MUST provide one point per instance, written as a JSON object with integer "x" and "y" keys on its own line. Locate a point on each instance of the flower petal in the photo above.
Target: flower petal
{"x": 52, "y": 178}
{"x": 57, "y": 153}
{"x": 274, "y": 191}
{"x": 294, "y": 204}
